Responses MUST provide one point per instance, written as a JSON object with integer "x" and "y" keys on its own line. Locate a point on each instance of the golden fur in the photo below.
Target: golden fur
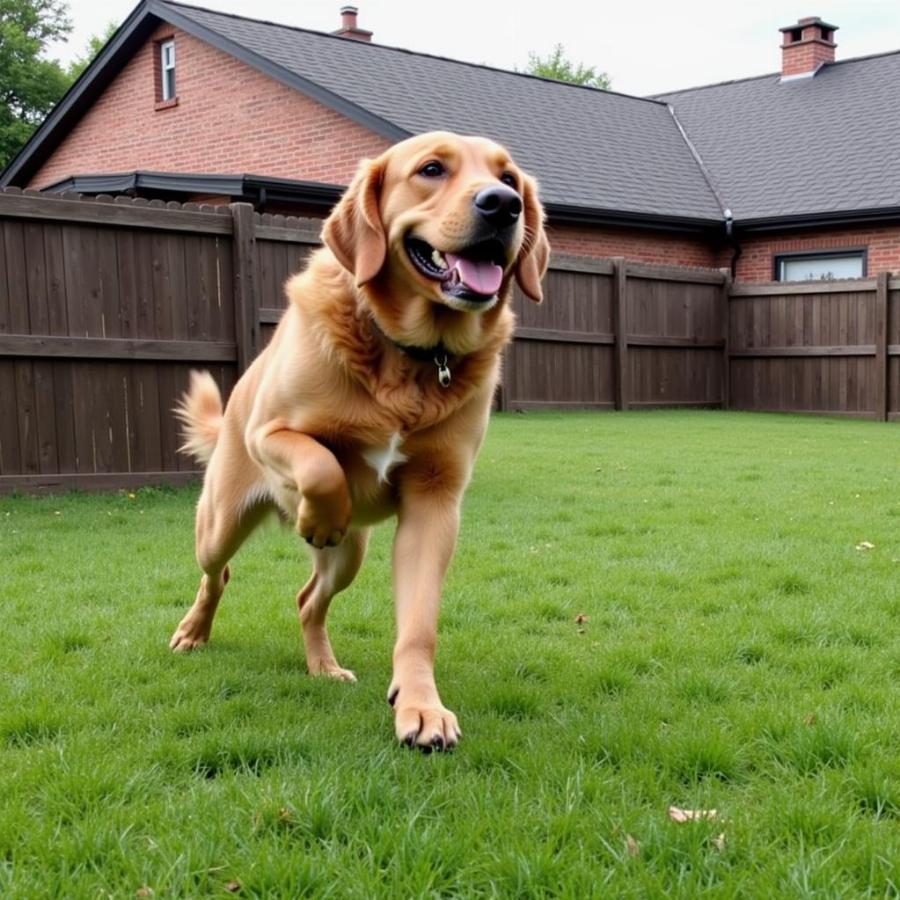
{"x": 338, "y": 427}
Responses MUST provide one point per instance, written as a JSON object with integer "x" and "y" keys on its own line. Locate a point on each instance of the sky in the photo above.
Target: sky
{"x": 645, "y": 47}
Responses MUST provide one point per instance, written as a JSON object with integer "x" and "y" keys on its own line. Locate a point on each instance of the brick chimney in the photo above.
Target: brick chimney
{"x": 349, "y": 28}
{"x": 807, "y": 45}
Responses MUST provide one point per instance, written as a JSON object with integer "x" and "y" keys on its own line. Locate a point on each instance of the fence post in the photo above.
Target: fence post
{"x": 505, "y": 376}
{"x": 726, "y": 336}
{"x": 620, "y": 329}
{"x": 881, "y": 346}
{"x": 246, "y": 292}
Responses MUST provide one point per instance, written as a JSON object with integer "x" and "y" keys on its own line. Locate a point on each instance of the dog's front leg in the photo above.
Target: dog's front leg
{"x": 324, "y": 509}
{"x": 428, "y": 522}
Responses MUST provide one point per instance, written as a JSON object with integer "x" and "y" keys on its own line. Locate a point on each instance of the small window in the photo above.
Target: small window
{"x": 167, "y": 70}
{"x": 821, "y": 266}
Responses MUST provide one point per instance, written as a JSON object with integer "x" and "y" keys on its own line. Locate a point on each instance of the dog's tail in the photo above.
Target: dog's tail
{"x": 200, "y": 414}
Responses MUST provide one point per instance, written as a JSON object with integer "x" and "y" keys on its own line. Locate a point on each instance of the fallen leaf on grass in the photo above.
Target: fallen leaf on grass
{"x": 632, "y": 846}
{"x": 809, "y": 719}
{"x": 865, "y": 545}
{"x": 233, "y": 887}
{"x": 581, "y": 618}
{"x": 719, "y": 842}
{"x": 144, "y": 891}
{"x": 676, "y": 814}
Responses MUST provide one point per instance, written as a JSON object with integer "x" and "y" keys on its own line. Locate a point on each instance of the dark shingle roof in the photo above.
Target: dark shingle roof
{"x": 829, "y": 143}
{"x": 824, "y": 147}
{"x": 589, "y": 148}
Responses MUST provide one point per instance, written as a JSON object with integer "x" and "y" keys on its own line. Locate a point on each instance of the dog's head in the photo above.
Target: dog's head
{"x": 445, "y": 219}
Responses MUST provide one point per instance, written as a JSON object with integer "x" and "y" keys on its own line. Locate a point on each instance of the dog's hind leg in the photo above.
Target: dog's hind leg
{"x": 230, "y": 507}
{"x": 334, "y": 569}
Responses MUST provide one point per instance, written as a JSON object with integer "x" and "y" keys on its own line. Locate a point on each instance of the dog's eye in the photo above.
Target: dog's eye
{"x": 510, "y": 179}
{"x": 432, "y": 169}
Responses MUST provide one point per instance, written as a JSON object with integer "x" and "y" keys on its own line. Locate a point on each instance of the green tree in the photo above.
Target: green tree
{"x": 29, "y": 82}
{"x": 94, "y": 46}
{"x": 559, "y": 68}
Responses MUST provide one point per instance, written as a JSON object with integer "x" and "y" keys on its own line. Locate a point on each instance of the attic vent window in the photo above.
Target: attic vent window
{"x": 166, "y": 93}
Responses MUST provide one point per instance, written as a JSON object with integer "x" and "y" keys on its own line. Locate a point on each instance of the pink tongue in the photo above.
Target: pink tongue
{"x": 481, "y": 277}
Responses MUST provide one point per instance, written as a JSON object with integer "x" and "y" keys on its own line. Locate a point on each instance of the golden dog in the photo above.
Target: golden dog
{"x": 373, "y": 397}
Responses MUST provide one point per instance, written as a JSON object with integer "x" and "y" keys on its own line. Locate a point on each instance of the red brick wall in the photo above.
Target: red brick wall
{"x": 758, "y": 253}
{"x": 633, "y": 243}
{"x": 229, "y": 119}
{"x": 638, "y": 245}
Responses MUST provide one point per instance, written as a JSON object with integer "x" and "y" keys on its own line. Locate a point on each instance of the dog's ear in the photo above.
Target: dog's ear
{"x": 354, "y": 231}
{"x": 535, "y": 254}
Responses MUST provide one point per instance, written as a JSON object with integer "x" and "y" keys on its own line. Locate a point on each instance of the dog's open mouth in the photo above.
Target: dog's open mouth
{"x": 474, "y": 273}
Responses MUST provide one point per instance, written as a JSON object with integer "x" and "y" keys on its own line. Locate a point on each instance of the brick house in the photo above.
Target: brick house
{"x": 765, "y": 175}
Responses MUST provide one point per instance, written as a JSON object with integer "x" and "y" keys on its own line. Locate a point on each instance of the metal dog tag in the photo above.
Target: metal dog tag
{"x": 443, "y": 370}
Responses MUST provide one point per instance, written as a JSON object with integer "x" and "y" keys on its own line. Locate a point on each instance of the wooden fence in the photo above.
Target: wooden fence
{"x": 613, "y": 334}
{"x": 824, "y": 347}
{"x": 105, "y": 307}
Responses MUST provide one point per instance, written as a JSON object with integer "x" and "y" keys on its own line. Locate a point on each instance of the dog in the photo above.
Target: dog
{"x": 372, "y": 398}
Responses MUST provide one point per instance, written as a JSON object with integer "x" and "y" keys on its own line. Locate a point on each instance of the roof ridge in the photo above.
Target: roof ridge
{"x": 703, "y": 87}
{"x": 378, "y": 46}
{"x": 695, "y": 153}
{"x": 853, "y": 59}
{"x": 827, "y": 65}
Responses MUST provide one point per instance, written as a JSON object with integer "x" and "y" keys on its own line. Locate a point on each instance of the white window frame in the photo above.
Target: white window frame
{"x": 167, "y": 70}
{"x": 819, "y": 261}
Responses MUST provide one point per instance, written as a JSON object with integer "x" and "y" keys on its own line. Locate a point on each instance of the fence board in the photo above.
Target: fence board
{"x": 16, "y": 277}
{"x": 46, "y": 416}
{"x": 48, "y": 208}
{"x": 29, "y": 345}
{"x": 5, "y": 308}
{"x": 35, "y": 274}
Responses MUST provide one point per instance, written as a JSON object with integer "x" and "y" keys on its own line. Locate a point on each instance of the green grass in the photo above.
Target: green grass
{"x": 739, "y": 653}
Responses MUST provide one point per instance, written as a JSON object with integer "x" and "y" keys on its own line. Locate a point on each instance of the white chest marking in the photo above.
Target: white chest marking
{"x": 383, "y": 459}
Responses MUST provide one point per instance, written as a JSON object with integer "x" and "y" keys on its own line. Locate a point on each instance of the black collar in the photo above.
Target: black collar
{"x": 437, "y": 354}
{"x": 421, "y": 354}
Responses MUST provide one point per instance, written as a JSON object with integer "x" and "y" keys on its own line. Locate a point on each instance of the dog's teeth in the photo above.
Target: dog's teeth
{"x": 438, "y": 260}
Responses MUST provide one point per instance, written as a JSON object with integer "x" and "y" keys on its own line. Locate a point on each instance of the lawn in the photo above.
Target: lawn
{"x": 646, "y": 610}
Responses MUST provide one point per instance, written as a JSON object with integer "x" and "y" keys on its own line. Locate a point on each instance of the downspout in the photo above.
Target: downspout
{"x": 736, "y": 248}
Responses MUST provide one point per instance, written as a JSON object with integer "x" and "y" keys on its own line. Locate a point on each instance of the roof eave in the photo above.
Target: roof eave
{"x": 565, "y": 214}
{"x": 872, "y": 216}
{"x": 239, "y": 186}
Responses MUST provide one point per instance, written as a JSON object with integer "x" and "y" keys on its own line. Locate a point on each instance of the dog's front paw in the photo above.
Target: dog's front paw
{"x": 425, "y": 723}
{"x": 190, "y": 635}
{"x": 323, "y": 522}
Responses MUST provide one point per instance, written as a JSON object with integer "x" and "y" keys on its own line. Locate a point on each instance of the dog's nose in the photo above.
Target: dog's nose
{"x": 499, "y": 205}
